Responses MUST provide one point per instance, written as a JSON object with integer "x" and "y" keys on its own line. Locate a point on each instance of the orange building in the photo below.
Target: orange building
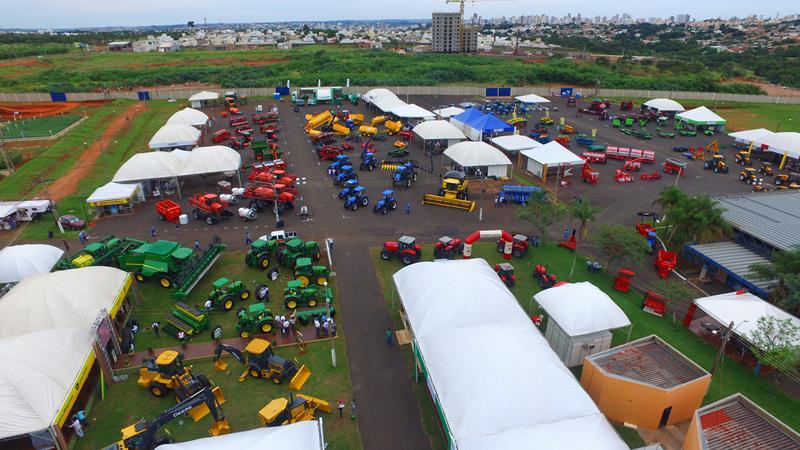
{"x": 737, "y": 423}
{"x": 646, "y": 383}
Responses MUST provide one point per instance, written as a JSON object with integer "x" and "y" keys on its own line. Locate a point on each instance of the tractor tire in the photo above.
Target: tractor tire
{"x": 517, "y": 253}
{"x": 263, "y": 262}
{"x": 139, "y": 277}
{"x": 383, "y": 211}
{"x": 290, "y": 303}
{"x": 741, "y": 178}
{"x": 226, "y": 303}
{"x": 244, "y": 295}
{"x": 196, "y": 214}
{"x": 393, "y": 205}
{"x": 501, "y": 248}
{"x": 276, "y": 379}
{"x": 385, "y": 255}
{"x": 407, "y": 260}
{"x": 244, "y": 334}
{"x": 254, "y": 372}
{"x": 165, "y": 281}
{"x": 265, "y": 327}
{"x": 371, "y": 167}
{"x": 364, "y": 201}
{"x": 311, "y": 302}
{"x": 408, "y": 183}
{"x": 375, "y": 209}
{"x": 303, "y": 279}
{"x": 210, "y": 220}
{"x": 162, "y": 218}
{"x": 317, "y": 255}
{"x": 355, "y": 206}
{"x": 158, "y": 389}
{"x": 262, "y": 293}
{"x": 272, "y": 274}
{"x": 345, "y": 205}
{"x": 321, "y": 281}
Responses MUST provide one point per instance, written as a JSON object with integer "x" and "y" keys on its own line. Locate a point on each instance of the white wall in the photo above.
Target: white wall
{"x": 497, "y": 171}
{"x": 534, "y": 167}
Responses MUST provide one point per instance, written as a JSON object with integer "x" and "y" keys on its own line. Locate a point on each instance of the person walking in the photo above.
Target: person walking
{"x": 156, "y": 326}
{"x": 247, "y": 240}
{"x": 353, "y": 409}
{"x": 82, "y": 237}
{"x": 153, "y": 231}
{"x": 408, "y": 208}
{"x": 566, "y": 234}
{"x": 197, "y": 245}
{"x": 76, "y": 426}
{"x": 81, "y": 416}
{"x": 389, "y": 336}
{"x": 341, "y": 408}
{"x": 66, "y": 247}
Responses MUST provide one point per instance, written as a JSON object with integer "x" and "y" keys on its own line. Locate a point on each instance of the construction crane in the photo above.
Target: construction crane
{"x": 461, "y": 28}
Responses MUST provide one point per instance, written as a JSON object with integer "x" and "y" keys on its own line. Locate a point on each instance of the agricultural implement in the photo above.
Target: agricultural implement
{"x": 167, "y": 374}
{"x": 447, "y": 247}
{"x": 621, "y": 153}
{"x": 261, "y": 362}
{"x": 186, "y": 319}
{"x": 405, "y": 248}
{"x": 344, "y": 174}
{"x": 517, "y": 194}
{"x": 168, "y": 210}
{"x": 743, "y": 158}
{"x": 589, "y": 175}
{"x": 305, "y": 271}
{"x": 766, "y": 169}
{"x": 622, "y": 177}
{"x": 209, "y": 208}
{"x": 295, "y": 295}
{"x": 673, "y": 166}
{"x": 787, "y": 179}
{"x": 368, "y": 161}
{"x": 100, "y": 253}
{"x": 506, "y": 273}
{"x": 404, "y": 175}
{"x": 453, "y": 193}
{"x": 265, "y": 151}
{"x": 255, "y": 319}
{"x": 519, "y": 245}
{"x": 750, "y": 176}
{"x": 716, "y": 163}
{"x": 349, "y": 186}
{"x": 651, "y": 176}
{"x": 308, "y": 316}
{"x": 328, "y": 153}
{"x": 595, "y": 157}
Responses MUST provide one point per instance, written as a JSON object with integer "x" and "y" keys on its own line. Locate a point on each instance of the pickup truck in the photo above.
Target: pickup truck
{"x": 279, "y": 235}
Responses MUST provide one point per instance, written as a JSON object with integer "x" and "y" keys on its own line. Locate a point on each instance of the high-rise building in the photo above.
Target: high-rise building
{"x": 445, "y": 32}
{"x": 470, "y": 40}
{"x": 682, "y": 18}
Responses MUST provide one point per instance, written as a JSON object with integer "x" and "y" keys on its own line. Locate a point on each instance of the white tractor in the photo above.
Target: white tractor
{"x": 247, "y": 214}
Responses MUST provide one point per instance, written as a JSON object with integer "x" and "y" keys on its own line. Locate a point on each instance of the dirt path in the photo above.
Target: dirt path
{"x": 68, "y": 183}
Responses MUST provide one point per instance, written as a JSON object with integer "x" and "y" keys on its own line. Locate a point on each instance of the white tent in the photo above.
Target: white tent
{"x": 664, "y": 105}
{"x": 172, "y": 136}
{"x": 701, "y": 116}
{"x": 532, "y": 98}
{"x": 64, "y": 299}
{"x": 462, "y": 304}
{"x": 448, "y": 112}
{"x": 197, "y": 100}
{"x": 149, "y": 166}
{"x": 306, "y": 435}
{"x": 188, "y": 116}
{"x": 515, "y": 143}
{"x": 212, "y": 159}
{"x": 748, "y": 136}
{"x": 39, "y": 369}
{"x": 383, "y": 99}
{"x": 550, "y": 155}
{"x": 20, "y": 261}
{"x": 412, "y": 111}
{"x": 439, "y": 130}
{"x": 581, "y": 308}
{"x": 7, "y": 209}
{"x": 788, "y": 143}
{"x": 112, "y": 191}
{"x": 743, "y": 310}
{"x": 479, "y": 154}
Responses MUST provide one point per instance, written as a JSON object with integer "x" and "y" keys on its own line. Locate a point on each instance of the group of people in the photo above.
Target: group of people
{"x": 324, "y": 326}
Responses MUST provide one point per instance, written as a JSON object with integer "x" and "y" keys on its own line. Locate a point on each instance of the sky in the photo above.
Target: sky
{"x": 39, "y": 14}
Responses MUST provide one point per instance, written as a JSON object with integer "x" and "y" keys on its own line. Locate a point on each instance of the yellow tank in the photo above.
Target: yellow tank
{"x": 83, "y": 260}
{"x": 377, "y": 120}
{"x": 367, "y": 130}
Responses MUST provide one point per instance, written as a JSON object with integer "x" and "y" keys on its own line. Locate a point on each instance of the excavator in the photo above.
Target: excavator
{"x": 261, "y": 362}
{"x": 143, "y": 435}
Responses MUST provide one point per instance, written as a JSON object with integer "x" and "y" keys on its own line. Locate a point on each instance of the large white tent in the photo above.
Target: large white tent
{"x": 20, "y": 261}
{"x": 198, "y": 100}
{"x": 64, "y": 299}
{"x": 782, "y": 143}
{"x": 175, "y": 136}
{"x": 515, "y": 143}
{"x": 456, "y": 305}
{"x": 189, "y": 116}
{"x": 112, "y": 191}
{"x": 664, "y": 105}
{"x": 581, "y": 308}
{"x": 439, "y": 130}
{"x": 550, "y": 155}
{"x": 701, "y": 116}
{"x": 383, "y": 99}
{"x": 212, "y": 159}
{"x": 479, "y": 154}
{"x": 150, "y": 166}
{"x": 748, "y": 136}
{"x": 743, "y": 309}
{"x": 446, "y": 113}
{"x": 531, "y": 98}
{"x": 39, "y": 369}
{"x": 306, "y": 435}
{"x": 412, "y": 111}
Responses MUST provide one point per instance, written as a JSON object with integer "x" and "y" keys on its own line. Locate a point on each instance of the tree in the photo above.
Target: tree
{"x": 668, "y": 198}
{"x": 541, "y": 212}
{"x": 584, "y": 212}
{"x": 785, "y": 267}
{"x": 621, "y": 243}
{"x": 774, "y": 342}
{"x": 675, "y": 290}
{"x": 691, "y": 219}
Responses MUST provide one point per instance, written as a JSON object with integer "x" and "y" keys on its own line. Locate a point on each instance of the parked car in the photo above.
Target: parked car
{"x": 71, "y": 222}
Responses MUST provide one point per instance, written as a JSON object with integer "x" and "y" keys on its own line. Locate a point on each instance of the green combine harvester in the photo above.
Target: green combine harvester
{"x": 171, "y": 263}
{"x": 100, "y": 253}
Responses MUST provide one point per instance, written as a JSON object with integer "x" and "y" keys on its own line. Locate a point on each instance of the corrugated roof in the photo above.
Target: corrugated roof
{"x": 736, "y": 422}
{"x": 651, "y": 361}
{"x": 772, "y": 217}
{"x": 736, "y": 259}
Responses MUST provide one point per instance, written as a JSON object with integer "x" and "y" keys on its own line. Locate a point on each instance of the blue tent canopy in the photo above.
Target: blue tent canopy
{"x": 468, "y": 116}
{"x": 490, "y": 124}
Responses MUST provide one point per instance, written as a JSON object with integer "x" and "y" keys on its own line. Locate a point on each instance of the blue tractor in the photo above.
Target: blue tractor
{"x": 404, "y": 175}
{"x": 337, "y": 164}
{"x": 368, "y": 161}
{"x": 344, "y": 175}
{"x": 386, "y": 203}
{"x": 357, "y": 198}
{"x": 349, "y": 186}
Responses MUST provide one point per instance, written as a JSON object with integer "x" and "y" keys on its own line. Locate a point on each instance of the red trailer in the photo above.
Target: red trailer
{"x": 220, "y": 135}
{"x": 168, "y": 210}
{"x": 674, "y": 166}
{"x": 624, "y": 154}
{"x": 595, "y": 157}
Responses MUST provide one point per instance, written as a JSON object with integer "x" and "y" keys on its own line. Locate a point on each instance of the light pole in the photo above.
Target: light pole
{"x": 328, "y": 315}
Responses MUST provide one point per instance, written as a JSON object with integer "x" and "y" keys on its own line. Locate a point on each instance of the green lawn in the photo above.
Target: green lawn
{"x": 731, "y": 378}
{"x": 37, "y": 127}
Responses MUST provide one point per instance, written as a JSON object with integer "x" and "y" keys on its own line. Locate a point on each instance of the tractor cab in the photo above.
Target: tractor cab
{"x": 454, "y": 185}
{"x": 387, "y": 195}
{"x": 259, "y": 347}
{"x": 168, "y": 364}
{"x": 218, "y": 286}
{"x": 282, "y": 411}
{"x": 506, "y": 273}
{"x": 408, "y": 243}
{"x": 521, "y": 239}
{"x": 447, "y": 247}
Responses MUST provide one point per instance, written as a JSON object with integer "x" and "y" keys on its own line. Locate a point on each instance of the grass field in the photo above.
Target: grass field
{"x": 38, "y": 127}
{"x": 730, "y": 378}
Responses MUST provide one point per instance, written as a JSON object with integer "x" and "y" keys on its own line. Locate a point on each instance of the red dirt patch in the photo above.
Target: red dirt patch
{"x": 28, "y": 110}
{"x": 68, "y": 183}
{"x": 264, "y": 62}
{"x": 210, "y": 62}
{"x": 21, "y": 62}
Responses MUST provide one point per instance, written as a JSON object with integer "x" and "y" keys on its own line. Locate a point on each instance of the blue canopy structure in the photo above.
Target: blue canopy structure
{"x": 488, "y": 124}
{"x": 467, "y": 116}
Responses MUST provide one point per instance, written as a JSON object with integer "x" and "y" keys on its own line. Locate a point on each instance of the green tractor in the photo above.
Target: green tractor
{"x": 297, "y": 248}
{"x": 259, "y": 253}
{"x": 295, "y": 295}
{"x": 255, "y": 319}
{"x": 304, "y": 272}
{"x": 223, "y": 293}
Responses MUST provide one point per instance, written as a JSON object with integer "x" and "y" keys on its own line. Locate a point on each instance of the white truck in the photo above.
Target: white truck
{"x": 279, "y": 235}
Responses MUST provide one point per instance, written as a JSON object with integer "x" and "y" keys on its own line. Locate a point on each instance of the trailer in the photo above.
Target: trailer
{"x": 517, "y": 194}
{"x": 622, "y": 153}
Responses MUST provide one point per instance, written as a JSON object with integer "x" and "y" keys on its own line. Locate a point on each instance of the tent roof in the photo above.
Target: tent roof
{"x": 38, "y": 371}
{"x": 212, "y": 159}
{"x": 743, "y": 310}
{"x": 438, "y": 129}
{"x": 782, "y": 142}
{"x": 203, "y": 95}
{"x": 175, "y": 136}
{"x": 748, "y": 136}
{"x": 64, "y": 299}
{"x": 664, "y": 104}
{"x": 112, "y": 191}
{"x": 448, "y": 112}
{"x": 19, "y": 261}
{"x": 188, "y": 116}
{"x": 490, "y": 123}
{"x": 297, "y": 436}
{"x": 515, "y": 142}
{"x": 532, "y": 98}
{"x": 6, "y": 209}
{"x": 701, "y": 116}
{"x": 412, "y": 111}
{"x": 383, "y": 99}
{"x": 473, "y": 154}
{"x": 149, "y": 166}
{"x": 467, "y": 116}
{"x": 468, "y": 393}
{"x": 581, "y": 308}
{"x": 553, "y": 153}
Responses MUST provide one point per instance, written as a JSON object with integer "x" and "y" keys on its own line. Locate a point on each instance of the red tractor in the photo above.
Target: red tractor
{"x": 329, "y": 153}
{"x": 520, "y": 245}
{"x": 447, "y": 247}
{"x": 546, "y": 280}
{"x": 220, "y": 135}
{"x": 348, "y": 147}
{"x": 406, "y": 248}
{"x": 209, "y": 207}
{"x": 625, "y": 106}
{"x": 506, "y": 273}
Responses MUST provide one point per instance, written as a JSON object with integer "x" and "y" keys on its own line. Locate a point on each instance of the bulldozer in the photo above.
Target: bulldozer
{"x": 716, "y": 163}
{"x": 261, "y": 362}
{"x": 282, "y": 411}
{"x": 453, "y": 193}
{"x": 143, "y": 435}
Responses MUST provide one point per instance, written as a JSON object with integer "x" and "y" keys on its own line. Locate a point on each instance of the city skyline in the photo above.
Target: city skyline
{"x": 76, "y": 14}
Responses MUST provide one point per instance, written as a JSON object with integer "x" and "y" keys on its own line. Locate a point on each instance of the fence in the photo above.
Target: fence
{"x": 460, "y": 91}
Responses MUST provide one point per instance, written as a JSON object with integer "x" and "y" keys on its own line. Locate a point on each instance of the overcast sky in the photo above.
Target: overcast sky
{"x": 93, "y": 13}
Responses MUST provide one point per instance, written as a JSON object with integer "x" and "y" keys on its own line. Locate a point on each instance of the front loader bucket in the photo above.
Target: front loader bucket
{"x": 202, "y": 410}
{"x": 221, "y": 365}
{"x": 299, "y": 379}
{"x": 219, "y": 427}
{"x": 244, "y": 374}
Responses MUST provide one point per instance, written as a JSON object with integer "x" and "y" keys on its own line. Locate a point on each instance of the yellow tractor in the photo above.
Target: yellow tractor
{"x": 743, "y": 158}
{"x": 716, "y": 163}
{"x": 261, "y": 362}
{"x": 393, "y": 127}
{"x": 282, "y": 411}
{"x": 453, "y": 193}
